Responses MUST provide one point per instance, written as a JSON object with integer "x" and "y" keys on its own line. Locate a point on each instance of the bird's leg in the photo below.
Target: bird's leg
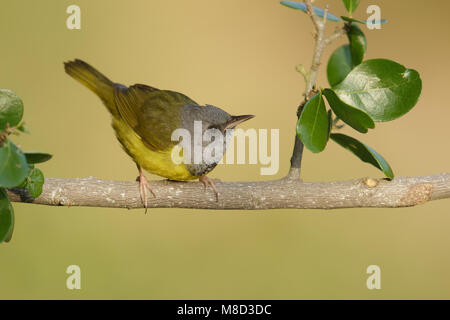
{"x": 205, "y": 180}
{"x": 143, "y": 186}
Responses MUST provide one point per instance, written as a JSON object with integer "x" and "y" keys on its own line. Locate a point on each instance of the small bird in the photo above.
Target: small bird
{"x": 144, "y": 119}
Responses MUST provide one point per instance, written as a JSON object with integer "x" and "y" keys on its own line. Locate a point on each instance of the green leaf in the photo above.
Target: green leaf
{"x": 351, "y": 5}
{"x": 37, "y": 157}
{"x": 312, "y": 127}
{"x": 339, "y": 65}
{"x": 358, "y": 44}
{"x": 6, "y": 217}
{"x": 35, "y": 181}
{"x": 11, "y": 109}
{"x": 382, "y": 88}
{"x": 348, "y": 19}
{"x": 354, "y": 117}
{"x": 13, "y": 165}
{"x": 363, "y": 152}
{"x": 301, "y": 6}
{"x": 23, "y": 128}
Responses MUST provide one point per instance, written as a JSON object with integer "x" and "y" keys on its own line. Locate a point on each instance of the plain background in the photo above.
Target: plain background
{"x": 240, "y": 55}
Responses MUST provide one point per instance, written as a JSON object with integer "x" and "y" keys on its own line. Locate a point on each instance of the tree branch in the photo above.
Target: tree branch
{"x": 276, "y": 194}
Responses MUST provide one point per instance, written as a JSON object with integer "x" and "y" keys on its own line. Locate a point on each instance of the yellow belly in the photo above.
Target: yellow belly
{"x": 156, "y": 162}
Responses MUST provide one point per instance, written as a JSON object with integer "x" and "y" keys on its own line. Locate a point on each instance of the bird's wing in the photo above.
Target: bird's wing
{"x": 152, "y": 113}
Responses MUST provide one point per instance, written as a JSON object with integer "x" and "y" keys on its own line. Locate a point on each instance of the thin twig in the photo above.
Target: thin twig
{"x": 336, "y": 35}
{"x": 318, "y": 49}
{"x": 311, "y": 77}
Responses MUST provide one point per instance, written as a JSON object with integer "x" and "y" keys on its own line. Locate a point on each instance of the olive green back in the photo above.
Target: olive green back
{"x": 152, "y": 113}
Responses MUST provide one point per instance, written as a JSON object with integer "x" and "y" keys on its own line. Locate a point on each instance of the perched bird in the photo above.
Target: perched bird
{"x": 144, "y": 119}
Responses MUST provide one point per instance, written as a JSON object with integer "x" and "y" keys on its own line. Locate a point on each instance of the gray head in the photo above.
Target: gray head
{"x": 211, "y": 119}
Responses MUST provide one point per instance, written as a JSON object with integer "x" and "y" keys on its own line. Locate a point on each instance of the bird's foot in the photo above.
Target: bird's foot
{"x": 207, "y": 181}
{"x": 143, "y": 187}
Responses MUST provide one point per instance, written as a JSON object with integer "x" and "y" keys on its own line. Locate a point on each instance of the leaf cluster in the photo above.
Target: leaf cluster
{"x": 361, "y": 93}
{"x": 17, "y": 168}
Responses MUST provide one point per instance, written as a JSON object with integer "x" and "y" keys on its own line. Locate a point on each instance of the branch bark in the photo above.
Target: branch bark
{"x": 275, "y": 194}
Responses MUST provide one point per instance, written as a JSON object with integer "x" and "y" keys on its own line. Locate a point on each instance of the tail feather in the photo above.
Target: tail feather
{"x": 93, "y": 80}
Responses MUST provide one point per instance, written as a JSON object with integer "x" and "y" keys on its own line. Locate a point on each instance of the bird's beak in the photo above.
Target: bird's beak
{"x": 236, "y": 120}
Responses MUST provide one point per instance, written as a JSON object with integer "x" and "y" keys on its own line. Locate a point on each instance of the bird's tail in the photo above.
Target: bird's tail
{"x": 93, "y": 80}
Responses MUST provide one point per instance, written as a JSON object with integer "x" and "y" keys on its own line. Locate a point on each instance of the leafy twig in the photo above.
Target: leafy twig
{"x": 311, "y": 77}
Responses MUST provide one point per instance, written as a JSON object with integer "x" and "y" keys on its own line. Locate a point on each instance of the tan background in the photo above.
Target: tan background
{"x": 239, "y": 55}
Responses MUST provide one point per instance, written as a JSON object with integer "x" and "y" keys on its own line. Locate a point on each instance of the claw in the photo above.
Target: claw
{"x": 207, "y": 181}
{"x": 143, "y": 187}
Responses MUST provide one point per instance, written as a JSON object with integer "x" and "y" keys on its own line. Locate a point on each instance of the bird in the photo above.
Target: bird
{"x": 144, "y": 118}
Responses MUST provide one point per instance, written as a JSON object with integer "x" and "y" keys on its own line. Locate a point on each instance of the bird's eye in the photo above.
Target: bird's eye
{"x": 213, "y": 126}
